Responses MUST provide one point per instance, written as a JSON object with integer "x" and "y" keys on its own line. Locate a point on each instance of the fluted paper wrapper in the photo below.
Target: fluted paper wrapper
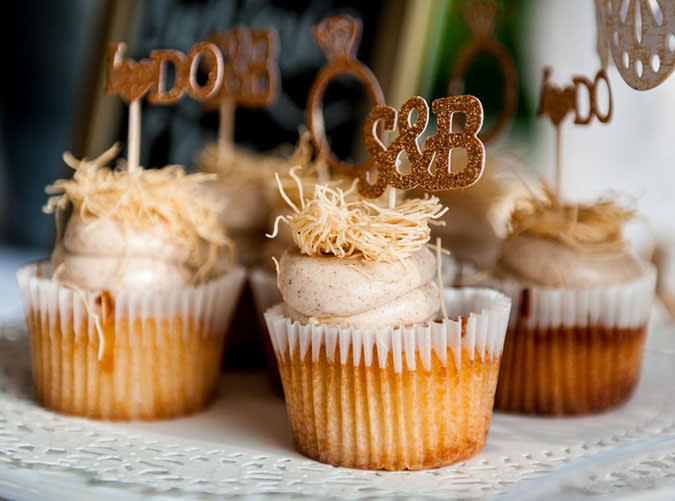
{"x": 265, "y": 295}
{"x": 394, "y": 398}
{"x": 573, "y": 351}
{"x": 126, "y": 355}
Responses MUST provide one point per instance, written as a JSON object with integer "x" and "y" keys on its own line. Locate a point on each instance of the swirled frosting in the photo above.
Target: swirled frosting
{"x": 359, "y": 293}
{"x": 103, "y": 254}
{"x": 547, "y": 262}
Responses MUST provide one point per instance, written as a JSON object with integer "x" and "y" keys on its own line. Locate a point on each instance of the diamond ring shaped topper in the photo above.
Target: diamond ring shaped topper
{"x": 338, "y": 37}
{"x": 436, "y": 152}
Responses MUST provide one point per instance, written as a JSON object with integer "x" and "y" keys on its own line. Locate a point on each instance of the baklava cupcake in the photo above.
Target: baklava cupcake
{"x": 127, "y": 319}
{"x": 581, "y": 304}
{"x": 380, "y": 368}
{"x": 237, "y": 192}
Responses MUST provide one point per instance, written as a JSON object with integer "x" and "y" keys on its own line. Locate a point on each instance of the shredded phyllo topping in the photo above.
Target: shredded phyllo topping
{"x": 585, "y": 227}
{"x": 334, "y": 222}
{"x": 142, "y": 198}
{"x": 236, "y": 165}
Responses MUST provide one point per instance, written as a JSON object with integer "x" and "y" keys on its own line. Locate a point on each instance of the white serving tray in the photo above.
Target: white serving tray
{"x": 242, "y": 446}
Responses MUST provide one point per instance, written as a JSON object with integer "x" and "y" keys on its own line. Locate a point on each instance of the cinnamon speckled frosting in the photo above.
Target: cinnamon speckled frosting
{"x": 547, "y": 262}
{"x": 358, "y": 293}
{"x": 100, "y": 253}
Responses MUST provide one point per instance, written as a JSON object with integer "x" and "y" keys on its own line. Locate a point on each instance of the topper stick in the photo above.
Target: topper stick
{"x": 558, "y": 162}
{"x": 226, "y": 121}
{"x": 134, "y": 135}
{"x": 251, "y": 75}
{"x": 391, "y": 197}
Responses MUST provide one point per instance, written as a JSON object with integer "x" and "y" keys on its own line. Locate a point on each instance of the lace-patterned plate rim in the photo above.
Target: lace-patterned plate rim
{"x": 145, "y": 462}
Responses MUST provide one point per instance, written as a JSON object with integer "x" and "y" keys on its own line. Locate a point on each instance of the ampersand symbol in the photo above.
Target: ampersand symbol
{"x": 436, "y": 148}
{"x": 251, "y": 74}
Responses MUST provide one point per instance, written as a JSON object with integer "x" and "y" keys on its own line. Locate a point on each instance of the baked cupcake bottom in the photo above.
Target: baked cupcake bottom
{"x": 375, "y": 418}
{"x": 149, "y": 369}
{"x": 126, "y": 355}
{"x": 569, "y": 371}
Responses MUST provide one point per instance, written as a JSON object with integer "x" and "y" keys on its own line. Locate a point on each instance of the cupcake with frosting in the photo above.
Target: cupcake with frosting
{"x": 581, "y": 303}
{"x": 238, "y": 189}
{"x": 478, "y": 216}
{"x": 127, "y": 319}
{"x": 380, "y": 368}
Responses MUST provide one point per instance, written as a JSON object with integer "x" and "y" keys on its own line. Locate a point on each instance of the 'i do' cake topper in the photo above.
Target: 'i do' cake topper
{"x": 132, "y": 80}
{"x": 250, "y": 76}
{"x": 430, "y": 166}
{"x": 481, "y": 17}
{"x": 558, "y": 102}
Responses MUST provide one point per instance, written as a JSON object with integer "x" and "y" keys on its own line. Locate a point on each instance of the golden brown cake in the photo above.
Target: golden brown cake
{"x": 581, "y": 306}
{"x": 380, "y": 371}
{"x": 128, "y": 318}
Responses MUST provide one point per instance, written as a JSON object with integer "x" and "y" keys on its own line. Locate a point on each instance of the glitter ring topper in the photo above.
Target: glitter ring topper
{"x": 435, "y": 152}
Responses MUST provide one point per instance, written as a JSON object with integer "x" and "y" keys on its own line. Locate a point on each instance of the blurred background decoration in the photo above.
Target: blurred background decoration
{"x": 52, "y": 97}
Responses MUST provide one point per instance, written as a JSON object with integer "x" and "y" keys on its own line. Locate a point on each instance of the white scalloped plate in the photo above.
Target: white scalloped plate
{"x": 241, "y": 446}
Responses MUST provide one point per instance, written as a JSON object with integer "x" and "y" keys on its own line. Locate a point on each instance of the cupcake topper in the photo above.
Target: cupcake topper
{"x": 558, "y": 102}
{"x": 640, "y": 35}
{"x": 133, "y": 80}
{"x": 251, "y": 74}
{"x": 338, "y": 38}
{"x": 481, "y": 18}
{"x": 436, "y": 148}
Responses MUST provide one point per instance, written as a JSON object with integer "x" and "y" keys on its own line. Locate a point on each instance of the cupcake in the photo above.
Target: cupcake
{"x": 242, "y": 211}
{"x": 581, "y": 304}
{"x": 263, "y": 278}
{"x": 477, "y": 219}
{"x": 380, "y": 369}
{"x": 127, "y": 319}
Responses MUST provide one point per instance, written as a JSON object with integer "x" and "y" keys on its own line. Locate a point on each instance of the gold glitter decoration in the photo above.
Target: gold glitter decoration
{"x": 338, "y": 37}
{"x": 595, "y": 227}
{"x": 639, "y": 34}
{"x": 557, "y": 103}
{"x": 133, "y": 80}
{"x": 251, "y": 72}
{"x": 481, "y": 17}
{"x": 436, "y": 150}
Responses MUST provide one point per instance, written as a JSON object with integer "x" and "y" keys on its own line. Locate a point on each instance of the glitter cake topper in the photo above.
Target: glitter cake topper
{"x": 640, "y": 35}
{"x": 436, "y": 148}
{"x": 251, "y": 72}
{"x": 558, "y": 102}
{"x": 481, "y": 18}
{"x": 338, "y": 37}
{"x": 133, "y": 80}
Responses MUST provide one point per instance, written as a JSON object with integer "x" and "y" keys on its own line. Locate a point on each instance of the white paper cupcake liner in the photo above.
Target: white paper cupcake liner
{"x": 126, "y": 355}
{"x": 477, "y": 320}
{"x": 623, "y": 305}
{"x": 265, "y": 290}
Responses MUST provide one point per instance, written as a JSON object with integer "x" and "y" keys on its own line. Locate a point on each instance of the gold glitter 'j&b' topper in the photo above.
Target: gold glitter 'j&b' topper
{"x": 251, "y": 72}
{"x": 481, "y": 17}
{"x": 133, "y": 80}
{"x": 338, "y": 37}
{"x": 436, "y": 150}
